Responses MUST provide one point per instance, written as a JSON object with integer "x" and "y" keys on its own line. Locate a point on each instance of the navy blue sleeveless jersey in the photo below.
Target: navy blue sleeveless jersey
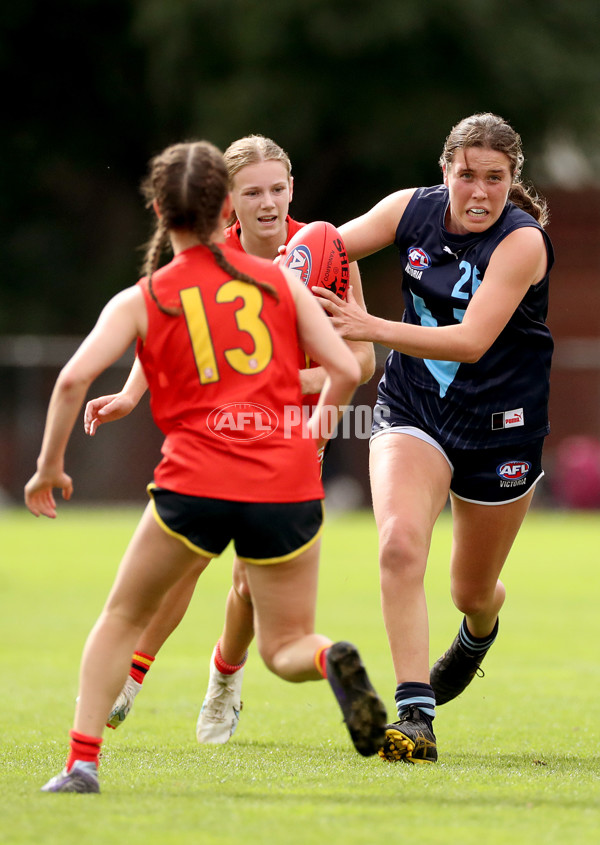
{"x": 503, "y": 398}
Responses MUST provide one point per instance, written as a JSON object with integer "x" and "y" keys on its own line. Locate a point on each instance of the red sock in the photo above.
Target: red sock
{"x": 223, "y": 667}
{"x": 140, "y": 665}
{"x": 83, "y": 747}
{"x": 321, "y": 659}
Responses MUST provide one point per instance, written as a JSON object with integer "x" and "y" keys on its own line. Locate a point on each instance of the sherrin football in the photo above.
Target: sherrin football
{"x": 318, "y": 257}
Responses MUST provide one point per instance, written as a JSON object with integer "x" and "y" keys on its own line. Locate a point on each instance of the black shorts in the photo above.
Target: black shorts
{"x": 262, "y": 532}
{"x": 486, "y": 476}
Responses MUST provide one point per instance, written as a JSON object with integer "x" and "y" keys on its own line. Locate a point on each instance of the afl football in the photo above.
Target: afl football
{"x": 317, "y": 255}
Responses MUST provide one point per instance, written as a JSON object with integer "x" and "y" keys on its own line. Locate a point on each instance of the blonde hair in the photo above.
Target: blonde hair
{"x": 490, "y": 131}
{"x": 252, "y": 149}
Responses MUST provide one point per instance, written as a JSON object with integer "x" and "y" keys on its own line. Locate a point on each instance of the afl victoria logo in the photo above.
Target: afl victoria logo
{"x": 300, "y": 262}
{"x": 418, "y": 258}
{"x": 511, "y": 470}
{"x": 242, "y": 421}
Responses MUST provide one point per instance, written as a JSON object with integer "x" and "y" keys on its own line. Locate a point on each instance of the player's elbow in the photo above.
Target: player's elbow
{"x": 473, "y": 352}
{"x": 471, "y": 347}
{"x": 471, "y": 356}
{"x": 71, "y": 380}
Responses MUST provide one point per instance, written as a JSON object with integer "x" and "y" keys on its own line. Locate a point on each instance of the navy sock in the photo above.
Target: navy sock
{"x": 476, "y": 645}
{"x": 415, "y": 694}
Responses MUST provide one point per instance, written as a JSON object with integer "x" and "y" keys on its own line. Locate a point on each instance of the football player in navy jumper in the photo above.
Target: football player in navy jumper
{"x": 462, "y": 407}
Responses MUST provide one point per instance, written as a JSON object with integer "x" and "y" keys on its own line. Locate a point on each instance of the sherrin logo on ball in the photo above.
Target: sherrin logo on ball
{"x": 242, "y": 421}
{"x": 511, "y": 470}
{"x": 418, "y": 258}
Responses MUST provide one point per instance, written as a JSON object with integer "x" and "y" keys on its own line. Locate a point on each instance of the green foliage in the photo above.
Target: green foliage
{"x": 361, "y": 95}
{"x": 518, "y": 751}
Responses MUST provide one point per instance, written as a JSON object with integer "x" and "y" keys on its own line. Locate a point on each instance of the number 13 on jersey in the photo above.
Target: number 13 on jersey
{"x": 248, "y": 320}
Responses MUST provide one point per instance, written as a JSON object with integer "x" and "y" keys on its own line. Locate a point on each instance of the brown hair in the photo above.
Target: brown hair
{"x": 189, "y": 183}
{"x": 252, "y": 149}
{"x": 490, "y": 131}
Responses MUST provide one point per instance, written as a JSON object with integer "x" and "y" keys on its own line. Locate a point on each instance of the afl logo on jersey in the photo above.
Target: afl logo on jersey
{"x": 242, "y": 421}
{"x": 513, "y": 470}
{"x": 418, "y": 258}
{"x": 300, "y": 262}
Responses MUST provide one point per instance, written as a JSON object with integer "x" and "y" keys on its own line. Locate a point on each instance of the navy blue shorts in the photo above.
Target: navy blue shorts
{"x": 484, "y": 476}
{"x": 262, "y": 532}
{"x": 496, "y": 476}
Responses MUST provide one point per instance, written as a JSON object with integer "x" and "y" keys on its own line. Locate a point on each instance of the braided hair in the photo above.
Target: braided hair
{"x": 189, "y": 183}
{"x": 489, "y": 130}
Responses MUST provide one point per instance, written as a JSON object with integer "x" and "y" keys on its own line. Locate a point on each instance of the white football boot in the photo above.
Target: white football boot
{"x": 220, "y": 712}
{"x": 124, "y": 703}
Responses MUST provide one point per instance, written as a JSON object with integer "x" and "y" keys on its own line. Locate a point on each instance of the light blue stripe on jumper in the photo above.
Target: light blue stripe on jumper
{"x": 443, "y": 372}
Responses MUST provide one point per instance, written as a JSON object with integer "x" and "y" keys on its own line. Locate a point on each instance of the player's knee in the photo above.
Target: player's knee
{"x": 268, "y": 653}
{"x": 470, "y": 601}
{"x": 127, "y": 618}
{"x": 240, "y": 582}
{"x": 242, "y": 590}
{"x": 401, "y": 554}
{"x": 278, "y": 658}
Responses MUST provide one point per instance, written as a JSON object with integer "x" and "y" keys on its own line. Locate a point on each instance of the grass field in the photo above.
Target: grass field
{"x": 519, "y": 751}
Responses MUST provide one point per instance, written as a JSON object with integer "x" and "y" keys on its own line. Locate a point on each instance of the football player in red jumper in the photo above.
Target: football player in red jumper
{"x": 193, "y": 319}
{"x": 261, "y": 186}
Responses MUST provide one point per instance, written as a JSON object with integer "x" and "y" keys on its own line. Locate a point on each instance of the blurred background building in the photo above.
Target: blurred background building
{"x": 360, "y": 95}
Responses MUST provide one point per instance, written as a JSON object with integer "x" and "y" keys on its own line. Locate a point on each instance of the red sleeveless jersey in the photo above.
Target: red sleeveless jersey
{"x": 232, "y": 238}
{"x": 224, "y": 382}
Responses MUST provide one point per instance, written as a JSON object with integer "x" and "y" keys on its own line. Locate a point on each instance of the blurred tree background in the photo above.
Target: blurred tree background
{"x": 361, "y": 95}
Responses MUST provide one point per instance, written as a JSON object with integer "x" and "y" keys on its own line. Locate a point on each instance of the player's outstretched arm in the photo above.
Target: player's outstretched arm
{"x": 121, "y": 321}
{"x": 518, "y": 262}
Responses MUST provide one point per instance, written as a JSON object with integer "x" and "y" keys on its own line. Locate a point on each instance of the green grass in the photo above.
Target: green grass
{"x": 518, "y": 751}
